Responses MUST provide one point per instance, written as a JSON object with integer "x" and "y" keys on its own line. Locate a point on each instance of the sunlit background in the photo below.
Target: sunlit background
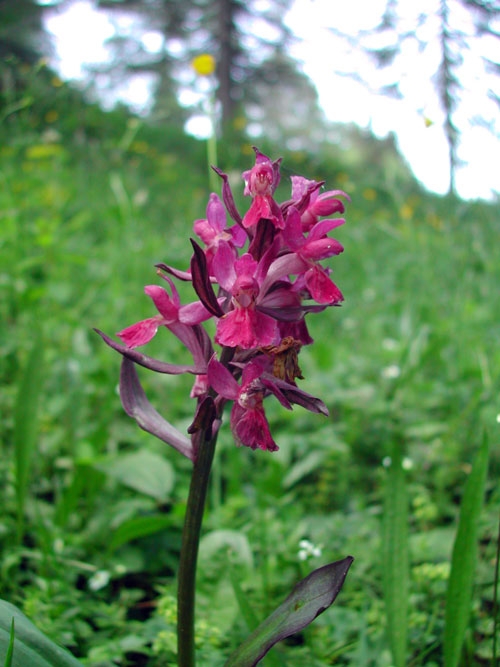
{"x": 329, "y": 45}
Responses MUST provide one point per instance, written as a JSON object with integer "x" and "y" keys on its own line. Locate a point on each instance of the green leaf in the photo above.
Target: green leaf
{"x": 141, "y": 526}
{"x": 463, "y": 560}
{"x": 26, "y": 425}
{"x": 309, "y": 599}
{"x": 303, "y": 467}
{"x": 395, "y": 558}
{"x": 244, "y": 605}
{"x": 142, "y": 471}
{"x": 10, "y": 649}
{"x": 231, "y": 541}
{"x": 31, "y": 647}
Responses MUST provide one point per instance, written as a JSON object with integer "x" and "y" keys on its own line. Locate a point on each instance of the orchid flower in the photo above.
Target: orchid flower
{"x": 258, "y": 296}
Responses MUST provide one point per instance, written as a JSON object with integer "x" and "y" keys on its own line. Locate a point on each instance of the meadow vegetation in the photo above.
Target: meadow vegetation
{"x": 92, "y": 507}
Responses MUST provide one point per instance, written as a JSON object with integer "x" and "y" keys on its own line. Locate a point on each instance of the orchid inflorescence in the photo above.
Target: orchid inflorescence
{"x": 258, "y": 297}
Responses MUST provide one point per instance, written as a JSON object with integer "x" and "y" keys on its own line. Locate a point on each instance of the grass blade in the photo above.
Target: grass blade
{"x": 10, "y": 648}
{"x": 463, "y": 560}
{"x": 26, "y": 426}
{"x": 395, "y": 558}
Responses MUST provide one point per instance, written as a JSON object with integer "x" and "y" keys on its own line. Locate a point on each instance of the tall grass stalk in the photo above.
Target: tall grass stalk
{"x": 395, "y": 557}
{"x": 463, "y": 560}
{"x": 26, "y": 427}
{"x": 10, "y": 649}
{"x": 213, "y": 179}
{"x": 495, "y": 600}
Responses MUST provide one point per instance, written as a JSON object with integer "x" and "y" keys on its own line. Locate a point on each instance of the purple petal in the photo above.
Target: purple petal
{"x": 290, "y": 264}
{"x": 166, "y": 306}
{"x": 251, "y": 428}
{"x": 271, "y": 386}
{"x": 321, "y": 248}
{"x": 246, "y": 328}
{"x": 323, "y": 227}
{"x": 299, "y": 397}
{"x": 293, "y": 233}
{"x": 141, "y": 332}
{"x": 223, "y": 266}
{"x": 322, "y": 289}
{"x": 216, "y": 215}
{"x": 193, "y": 313}
{"x": 254, "y": 369}
{"x": 221, "y": 380}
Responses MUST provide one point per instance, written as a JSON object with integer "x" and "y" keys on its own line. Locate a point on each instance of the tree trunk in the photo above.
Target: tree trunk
{"x": 227, "y": 52}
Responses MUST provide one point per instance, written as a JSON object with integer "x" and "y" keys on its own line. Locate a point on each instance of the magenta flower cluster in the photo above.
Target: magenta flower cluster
{"x": 257, "y": 277}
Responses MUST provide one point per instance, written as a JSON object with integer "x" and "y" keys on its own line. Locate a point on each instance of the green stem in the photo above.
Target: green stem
{"x": 212, "y": 146}
{"x": 189, "y": 553}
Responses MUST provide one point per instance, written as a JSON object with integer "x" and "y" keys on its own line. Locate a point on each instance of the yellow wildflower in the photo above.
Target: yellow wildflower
{"x": 204, "y": 64}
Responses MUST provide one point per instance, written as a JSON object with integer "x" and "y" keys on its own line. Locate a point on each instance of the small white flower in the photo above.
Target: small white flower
{"x": 308, "y": 550}
{"x": 389, "y": 344}
{"x": 407, "y": 463}
{"x": 387, "y": 461}
{"x": 391, "y": 372}
{"x": 99, "y": 580}
{"x": 58, "y": 545}
{"x": 498, "y": 418}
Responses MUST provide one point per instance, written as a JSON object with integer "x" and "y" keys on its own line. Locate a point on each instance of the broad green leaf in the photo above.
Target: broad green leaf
{"x": 231, "y": 541}
{"x": 303, "y": 467}
{"x": 244, "y": 606}
{"x": 463, "y": 560}
{"x": 309, "y": 599}
{"x": 31, "y": 647}
{"x": 143, "y": 471}
{"x": 395, "y": 558}
{"x": 140, "y": 526}
{"x": 26, "y": 425}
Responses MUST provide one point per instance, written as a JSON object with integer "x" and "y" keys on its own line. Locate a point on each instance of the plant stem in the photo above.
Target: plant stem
{"x": 189, "y": 553}
{"x": 212, "y": 145}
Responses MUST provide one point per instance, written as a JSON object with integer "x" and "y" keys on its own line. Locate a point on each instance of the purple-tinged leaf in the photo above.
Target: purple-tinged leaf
{"x": 309, "y": 599}
{"x": 137, "y": 406}
{"x": 150, "y": 362}
{"x": 201, "y": 281}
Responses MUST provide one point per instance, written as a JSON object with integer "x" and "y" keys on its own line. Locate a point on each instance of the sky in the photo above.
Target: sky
{"x": 80, "y": 32}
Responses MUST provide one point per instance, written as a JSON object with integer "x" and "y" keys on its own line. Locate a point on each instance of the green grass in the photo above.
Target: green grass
{"x": 409, "y": 364}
